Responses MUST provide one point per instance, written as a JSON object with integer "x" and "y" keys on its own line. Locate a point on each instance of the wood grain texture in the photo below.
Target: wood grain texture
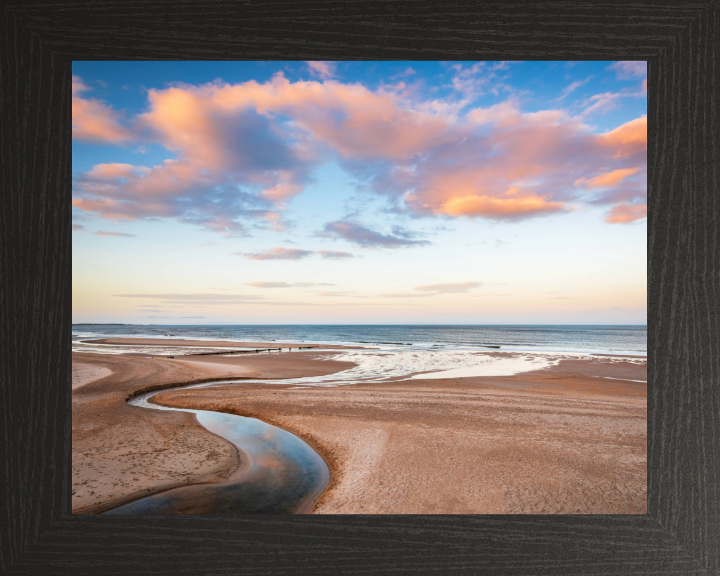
{"x": 681, "y": 532}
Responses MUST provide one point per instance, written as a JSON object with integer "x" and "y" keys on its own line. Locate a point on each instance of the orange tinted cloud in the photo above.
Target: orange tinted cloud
{"x": 93, "y": 120}
{"x": 626, "y": 213}
{"x": 500, "y": 208}
{"x": 244, "y": 150}
{"x": 610, "y": 179}
{"x": 627, "y": 140}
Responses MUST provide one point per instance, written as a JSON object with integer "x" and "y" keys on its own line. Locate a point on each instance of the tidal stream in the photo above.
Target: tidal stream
{"x": 279, "y": 473}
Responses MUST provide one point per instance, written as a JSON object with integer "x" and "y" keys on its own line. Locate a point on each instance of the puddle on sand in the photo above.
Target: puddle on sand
{"x": 285, "y": 475}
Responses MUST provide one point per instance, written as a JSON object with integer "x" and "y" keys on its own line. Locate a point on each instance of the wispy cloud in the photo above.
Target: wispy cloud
{"x": 197, "y": 299}
{"x": 361, "y": 235}
{"x": 286, "y": 284}
{"x": 123, "y": 234}
{"x": 277, "y": 254}
{"x": 571, "y": 88}
{"x": 334, "y": 294}
{"x": 159, "y": 317}
{"x": 435, "y": 290}
{"x": 322, "y": 69}
{"x": 629, "y": 69}
{"x": 450, "y": 288}
{"x": 78, "y": 228}
{"x": 335, "y": 255}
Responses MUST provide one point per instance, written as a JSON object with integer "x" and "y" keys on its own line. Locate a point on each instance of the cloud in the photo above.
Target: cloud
{"x": 501, "y": 208}
{"x": 123, "y": 234}
{"x": 571, "y": 88}
{"x": 435, "y": 290}
{"x": 277, "y": 254}
{"x": 323, "y": 70}
{"x": 629, "y": 69}
{"x": 479, "y": 78}
{"x": 607, "y": 180}
{"x": 333, "y": 294}
{"x": 78, "y": 228}
{"x": 286, "y": 284}
{"x": 602, "y": 103}
{"x": 157, "y": 317}
{"x": 453, "y": 288}
{"x": 335, "y": 255}
{"x": 627, "y": 213}
{"x": 197, "y": 299}
{"x": 93, "y": 120}
{"x": 404, "y": 295}
{"x": 362, "y": 236}
{"x": 242, "y": 151}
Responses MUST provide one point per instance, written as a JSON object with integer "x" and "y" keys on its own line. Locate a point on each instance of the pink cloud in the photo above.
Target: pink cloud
{"x": 500, "y": 208}
{"x": 626, "y": 213}
{"x": 323, "y": 70}
{"x": 244, "y": 150}
{"x": 278, "y": 254}
{"x": 629, "y": 69}
{"x": 122, "y": 234}
{"x": 608, "y": 180}
{"x": 93, "y": 120}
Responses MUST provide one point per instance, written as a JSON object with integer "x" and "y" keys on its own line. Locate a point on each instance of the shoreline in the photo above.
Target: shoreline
{"x": 356, "y": 428}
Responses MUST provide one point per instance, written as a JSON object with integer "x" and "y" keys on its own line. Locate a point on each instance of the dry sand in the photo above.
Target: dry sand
{"x": 85, "y": 373}
{"x": 558, "y": 440}
{"x": 122, "y": 452}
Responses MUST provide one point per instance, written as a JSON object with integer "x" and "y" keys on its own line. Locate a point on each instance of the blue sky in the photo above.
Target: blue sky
{"x": 359, "y": 192}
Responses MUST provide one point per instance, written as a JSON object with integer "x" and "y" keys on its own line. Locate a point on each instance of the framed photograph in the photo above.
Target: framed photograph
{"x": 355, "y": 291}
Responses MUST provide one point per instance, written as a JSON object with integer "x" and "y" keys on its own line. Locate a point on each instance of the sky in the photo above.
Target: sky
{"x": 359, "y": 192}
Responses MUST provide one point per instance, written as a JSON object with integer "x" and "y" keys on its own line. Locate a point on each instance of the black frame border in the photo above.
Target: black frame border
{"x": 681, "y": 42}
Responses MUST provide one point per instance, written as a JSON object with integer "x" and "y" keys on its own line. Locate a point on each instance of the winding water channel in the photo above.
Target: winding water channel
{"x": 279, "y": 473}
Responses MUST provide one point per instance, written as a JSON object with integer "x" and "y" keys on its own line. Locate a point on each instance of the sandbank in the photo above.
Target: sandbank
{"x": 571, "y": 438}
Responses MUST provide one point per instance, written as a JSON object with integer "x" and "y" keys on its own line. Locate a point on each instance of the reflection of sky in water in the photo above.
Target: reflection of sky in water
{"x": 285, "y": 476}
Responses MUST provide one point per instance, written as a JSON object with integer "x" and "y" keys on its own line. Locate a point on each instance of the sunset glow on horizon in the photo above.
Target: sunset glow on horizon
{"x": 360, "y": 192}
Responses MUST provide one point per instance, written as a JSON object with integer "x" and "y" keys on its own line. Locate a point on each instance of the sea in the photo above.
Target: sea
{"x": 384, "y": 353}
{"x": 621, "y": 340}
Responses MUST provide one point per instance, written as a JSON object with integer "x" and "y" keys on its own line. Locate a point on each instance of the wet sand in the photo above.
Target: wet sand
{"x": 212, "y": 343}
{"x": 566, "y": 439}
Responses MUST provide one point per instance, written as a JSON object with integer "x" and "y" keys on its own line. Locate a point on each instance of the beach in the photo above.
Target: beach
{"x": 566, "y": 438}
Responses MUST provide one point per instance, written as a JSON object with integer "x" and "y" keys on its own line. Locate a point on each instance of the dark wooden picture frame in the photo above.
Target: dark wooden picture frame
{"x": 680, "y": 533}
